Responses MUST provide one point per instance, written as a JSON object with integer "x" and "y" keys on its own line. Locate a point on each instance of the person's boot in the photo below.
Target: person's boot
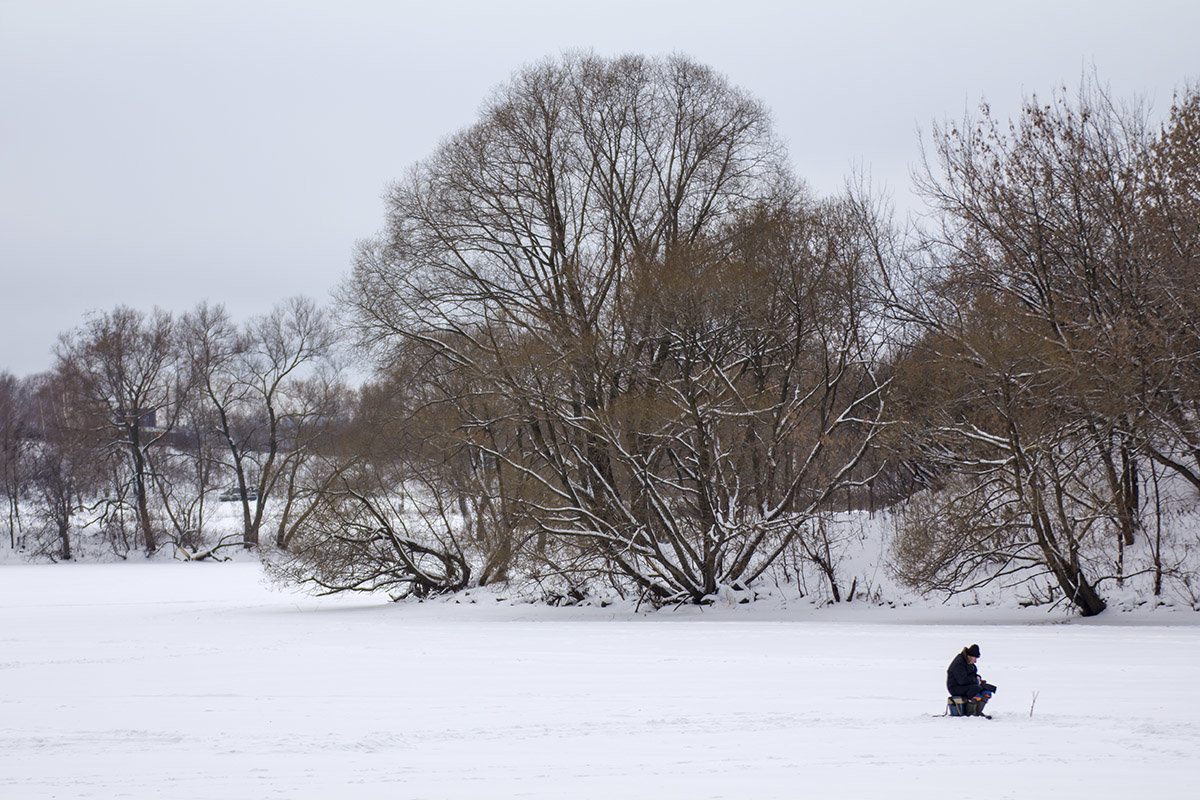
{"x": 970, "y": 709}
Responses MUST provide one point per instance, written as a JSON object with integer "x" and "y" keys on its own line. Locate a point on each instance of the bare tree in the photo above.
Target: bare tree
{"x": 1020, "y": 493}
{"x": 187, "y": 469}
{"x": 16, "y": 428}
{"x": 1170, "y": 226}
{"x": 213, "y": 347}
{"x": 64, "y": 468}
{"x": 1042, "y": 315}
{"x": 401, "y": 503}
{"x": 362, "y": 537}
{"x": 280, "y": 367}
{"x": 273, "y": 391}
{"x": 641, "y": 316}
{"x": 121, "y": 364}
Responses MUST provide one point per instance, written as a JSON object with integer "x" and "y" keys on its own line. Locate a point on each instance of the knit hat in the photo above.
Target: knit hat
{"x": 973, "y": 650}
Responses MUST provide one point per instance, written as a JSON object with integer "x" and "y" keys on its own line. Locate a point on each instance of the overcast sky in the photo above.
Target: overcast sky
{"x": 159, "y": 153}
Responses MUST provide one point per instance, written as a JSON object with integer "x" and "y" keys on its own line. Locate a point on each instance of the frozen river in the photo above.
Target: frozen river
{"x": 197, "y": 681}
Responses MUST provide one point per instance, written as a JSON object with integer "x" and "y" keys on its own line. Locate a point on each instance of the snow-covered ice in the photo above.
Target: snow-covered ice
{"x": 198, "y": 681}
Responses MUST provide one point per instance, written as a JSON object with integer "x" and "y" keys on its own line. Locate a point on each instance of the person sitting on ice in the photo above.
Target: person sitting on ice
{"x": 963, "y": 680}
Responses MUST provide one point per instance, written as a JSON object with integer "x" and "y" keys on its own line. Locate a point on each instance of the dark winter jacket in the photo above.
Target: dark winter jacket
{"x": 961, "y": 677}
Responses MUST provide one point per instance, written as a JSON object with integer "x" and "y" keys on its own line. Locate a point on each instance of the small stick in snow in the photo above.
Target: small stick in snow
{"x": 1032, "y": 704}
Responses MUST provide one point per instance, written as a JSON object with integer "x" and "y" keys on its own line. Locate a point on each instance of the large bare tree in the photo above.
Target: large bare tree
{"x": 629, "y": 304}
{"x": 1050, "y": 321}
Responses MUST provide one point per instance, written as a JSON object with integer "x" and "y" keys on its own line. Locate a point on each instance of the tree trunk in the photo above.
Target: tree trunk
{"x": 64, "y": 539}
{"x": 1072, "y": 581}
{"x": 139, "y": 488}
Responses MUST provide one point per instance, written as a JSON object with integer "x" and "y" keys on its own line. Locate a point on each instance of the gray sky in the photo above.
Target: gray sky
{"x": 159, "y": 153}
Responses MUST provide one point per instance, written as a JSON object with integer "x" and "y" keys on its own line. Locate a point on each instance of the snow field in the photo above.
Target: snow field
{"x": 197, "y": 681}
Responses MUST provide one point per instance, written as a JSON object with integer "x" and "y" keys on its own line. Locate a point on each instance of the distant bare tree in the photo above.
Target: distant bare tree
{"x": 213, "y": 347}
{"x": 121, "y": 365}
{"x": 65, "y": 468}
{"x": 273, "y": 390}
{"x": 16, "y": 428}
{"x": 188, "y": 467}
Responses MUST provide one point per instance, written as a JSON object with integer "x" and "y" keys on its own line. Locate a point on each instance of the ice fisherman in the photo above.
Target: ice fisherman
{"x": 963, "y": 680}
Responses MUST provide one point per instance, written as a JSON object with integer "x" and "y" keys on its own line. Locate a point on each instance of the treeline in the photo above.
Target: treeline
{"x": 616, "y": 342}
{"x": 147, "y": 418}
